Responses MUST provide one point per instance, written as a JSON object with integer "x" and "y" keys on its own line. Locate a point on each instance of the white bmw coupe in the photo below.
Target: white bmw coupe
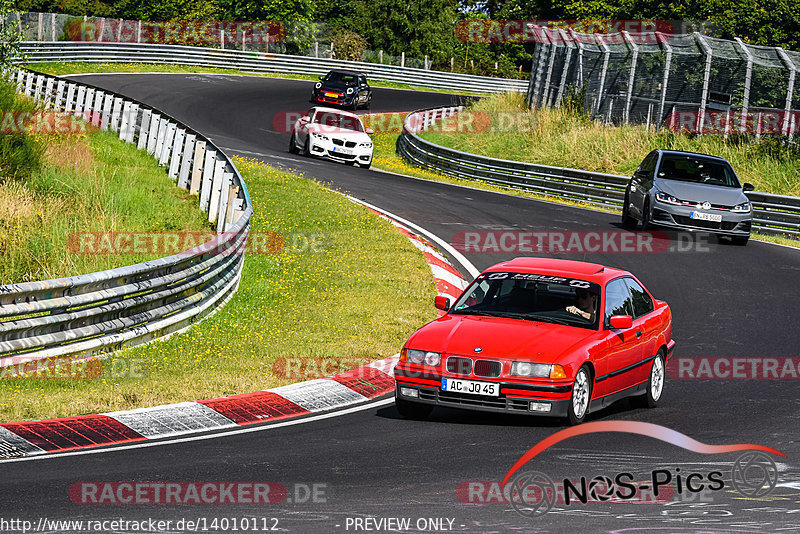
{"x": 332, "y": 133}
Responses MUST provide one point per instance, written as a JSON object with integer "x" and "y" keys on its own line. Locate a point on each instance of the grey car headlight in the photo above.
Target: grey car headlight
{"x": 539, "y": 370}
{"x": 668, "y": 199}
{"x": 744, "y": 207}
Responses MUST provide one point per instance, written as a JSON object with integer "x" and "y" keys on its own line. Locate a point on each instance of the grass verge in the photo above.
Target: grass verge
{"x": 353, "y": 298}
{"x": 86, "y": 183}
{"x": 63, "y": 69}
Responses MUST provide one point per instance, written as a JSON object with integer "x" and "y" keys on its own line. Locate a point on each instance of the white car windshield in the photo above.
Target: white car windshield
{"x": 331, "y": 119}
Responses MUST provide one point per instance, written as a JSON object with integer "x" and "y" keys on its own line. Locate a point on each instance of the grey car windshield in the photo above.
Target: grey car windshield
{"x": 533, "y": 297}
{"x": 697, "y": 169}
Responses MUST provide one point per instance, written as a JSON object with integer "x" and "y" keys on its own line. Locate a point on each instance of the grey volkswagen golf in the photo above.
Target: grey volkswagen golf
{"x": 688, "y": 191}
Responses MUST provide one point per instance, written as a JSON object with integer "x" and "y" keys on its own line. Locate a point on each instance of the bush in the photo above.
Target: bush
{"x": 20, "y": 154}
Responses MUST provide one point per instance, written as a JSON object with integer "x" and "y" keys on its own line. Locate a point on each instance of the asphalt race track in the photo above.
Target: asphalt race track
{"x": 727, "y": 301}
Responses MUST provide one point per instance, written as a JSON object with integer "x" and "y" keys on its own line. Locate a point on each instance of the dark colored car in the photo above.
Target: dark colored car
{"x": 344, "y": 88}
{"x": 688, "y": 191}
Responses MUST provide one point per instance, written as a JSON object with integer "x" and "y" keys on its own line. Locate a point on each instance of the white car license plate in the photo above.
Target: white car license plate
{"x": 345, "y": 151}
{"x": 470, "y": 387}
{"x": 713, "y": 217}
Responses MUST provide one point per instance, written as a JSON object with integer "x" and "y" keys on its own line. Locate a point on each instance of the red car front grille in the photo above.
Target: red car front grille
{"x": 487, "y": 368}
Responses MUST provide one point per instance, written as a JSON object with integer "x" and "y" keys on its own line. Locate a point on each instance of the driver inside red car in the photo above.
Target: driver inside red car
{"x": 584, "y": 304}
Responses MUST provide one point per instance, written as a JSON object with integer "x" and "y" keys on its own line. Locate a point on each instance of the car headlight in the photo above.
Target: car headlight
{"x": 318, "y": 85}
{"x": 421, "y": 357}
{"x": 667, "y": 199}
{"x": 365, "y": 145}
{"x": 319, "y": 136}
{"x": 744, "y": 207}
{"x": 349, "y": 90}
{"x": 537, "y": 370}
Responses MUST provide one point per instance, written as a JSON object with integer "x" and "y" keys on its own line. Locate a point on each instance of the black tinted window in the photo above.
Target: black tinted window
{"x": 642, "y": 303}
{"x": 697, "y": 169}
{"x": 649, "y": 164}
{"x": 618, "y": 299}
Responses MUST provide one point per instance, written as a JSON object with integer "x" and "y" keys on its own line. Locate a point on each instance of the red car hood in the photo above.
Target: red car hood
{"x": 498, "y": 337}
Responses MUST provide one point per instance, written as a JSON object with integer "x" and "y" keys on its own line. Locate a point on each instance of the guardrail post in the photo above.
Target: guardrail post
{"x": 186, "y": 161}
{"x": 29, "y": 76}
{"x": 748, "y": 78}
{"x": 790, "y": 87}
{"x": 216, "y": 189}
{"x": 208, "y": 179}
{"x": 144, "y": 129}
{"x": 68, "y": 107}
{"x": 37, "y": 94}
{"x": 88, "y": 101}
{"x": 108, "y": 101}
{"x": 125, "y": 122}
{"x": 116, "y": 111}
{"x": 176, "y": 153}
{"x": 80, "y": 100}
{"x": 152, "y": 133}
{"x": 20, "y": 80}
{"x": 227, "y": 181}
{"x": 133, "y": 114}
{"x": 232, "y": 210}
{"x": 59, "y": 103}
{"x": 197, "y": 167}
{"x": 706, "y": 80}
{"x": 164, "y": 142}
{"x": 48, "y": 101}
{"x": 632, "y": 77}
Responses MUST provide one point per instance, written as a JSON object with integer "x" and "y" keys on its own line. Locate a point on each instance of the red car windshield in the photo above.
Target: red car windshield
{"x": 532, "y": 296}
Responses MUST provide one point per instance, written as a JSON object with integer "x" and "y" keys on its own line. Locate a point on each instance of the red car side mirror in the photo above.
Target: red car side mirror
{"x": 620, "y": 322}
{"x": 442, "y": 303}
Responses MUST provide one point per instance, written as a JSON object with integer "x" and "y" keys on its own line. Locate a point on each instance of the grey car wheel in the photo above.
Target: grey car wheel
{"x": 581, "y": 395}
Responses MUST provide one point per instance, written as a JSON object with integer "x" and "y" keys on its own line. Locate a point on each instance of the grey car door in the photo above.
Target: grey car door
{"x": 641, "y": 182}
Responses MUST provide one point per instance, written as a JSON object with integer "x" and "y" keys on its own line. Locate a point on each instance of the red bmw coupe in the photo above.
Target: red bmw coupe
{"x": 539, "y": 336}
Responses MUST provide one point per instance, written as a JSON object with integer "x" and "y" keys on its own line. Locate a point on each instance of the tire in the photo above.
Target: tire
{"x": 740, "y": 240}
{"x": 646, "y": 224}
{"x": 628, "y": 222}
{"x": 293, "y": 145}
{"x": 581, "y": 395}
{"x": 307, "y": 148}
{"x": 355, "y": 103}
{"x": 413, "y": 410}
{"x": 655, "y": 383}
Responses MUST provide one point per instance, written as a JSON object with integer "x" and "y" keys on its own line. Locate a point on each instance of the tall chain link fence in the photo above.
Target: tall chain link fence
{"x": 685, "y": 82}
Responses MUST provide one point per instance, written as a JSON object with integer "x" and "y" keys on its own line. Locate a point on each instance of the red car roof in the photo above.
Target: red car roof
{"x": 593, "y": 272}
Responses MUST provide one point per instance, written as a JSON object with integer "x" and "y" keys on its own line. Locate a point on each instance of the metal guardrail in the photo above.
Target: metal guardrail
{"x": 772, "y": 214}
{"x": 92, "y": 52}
{"x": 86, "y": 316}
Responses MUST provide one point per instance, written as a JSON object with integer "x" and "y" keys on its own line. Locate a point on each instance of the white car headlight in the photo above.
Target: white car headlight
{"x": 421, "y": 357}
{"x": 365, "y": 145}
{"x": 318, "y": 85}
{"x": 539, "y": 370}
{"x": 744, "y": 207}
{"x": 349, "y": 90}
{"x": 319, "y": 136}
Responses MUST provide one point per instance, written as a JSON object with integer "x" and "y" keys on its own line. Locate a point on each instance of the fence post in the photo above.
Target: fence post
{"x": 164, "y": 145}
{"x": 662, "y": 39}
{"x": 133, "y": 114}
{"x": 197, "y": 167}
{"x": 116, "y": 110}
{"x": 99, "y": 98}
{"x": 629, "y": 93}
{"x": 426, "y": 62}
{"x": 546, "y": 87}
{"x": 186, "y": 161}
{"x": 138, "y": 31}
{"x": 68, "y": 105}
{"x": 402, "y": 59}
{"x": 80, "y": 98}
{"x": 790, "y": 88}
{"x": 540, "y": 51}
{"x": 176, "y": 154}
{"x": 102, "y": 29}
{"x": 152, "y": 133}
{"x": 48, "y": 89}
{"x": 565, "y": 69}
{"x": 208, "y": 178}
{"x": 706, "y": 80}
{"x": 748, "y": 78}
{"x": 244, "y": 40}
{"x": 53, "y": 26}
{"x": 39, "y": 35}
{"x": 316, "y": 48}
{"x": 579, "y": 46}
{"x": 222, "y": 38}
{"x": 603, "y": 72}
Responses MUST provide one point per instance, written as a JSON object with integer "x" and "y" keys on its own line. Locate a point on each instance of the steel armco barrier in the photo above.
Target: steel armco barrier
{"x": 772, "y": 214}
{"x": 90, "y": 52}
{"x": 86, "y": 316}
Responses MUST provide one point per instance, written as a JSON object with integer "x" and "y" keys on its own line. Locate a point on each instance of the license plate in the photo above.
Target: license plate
{"x": 713, "y": 217}
{"x": 332, "y": 95}
{"x": 345, "y": 151}
{"x": 470, "y": 387}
